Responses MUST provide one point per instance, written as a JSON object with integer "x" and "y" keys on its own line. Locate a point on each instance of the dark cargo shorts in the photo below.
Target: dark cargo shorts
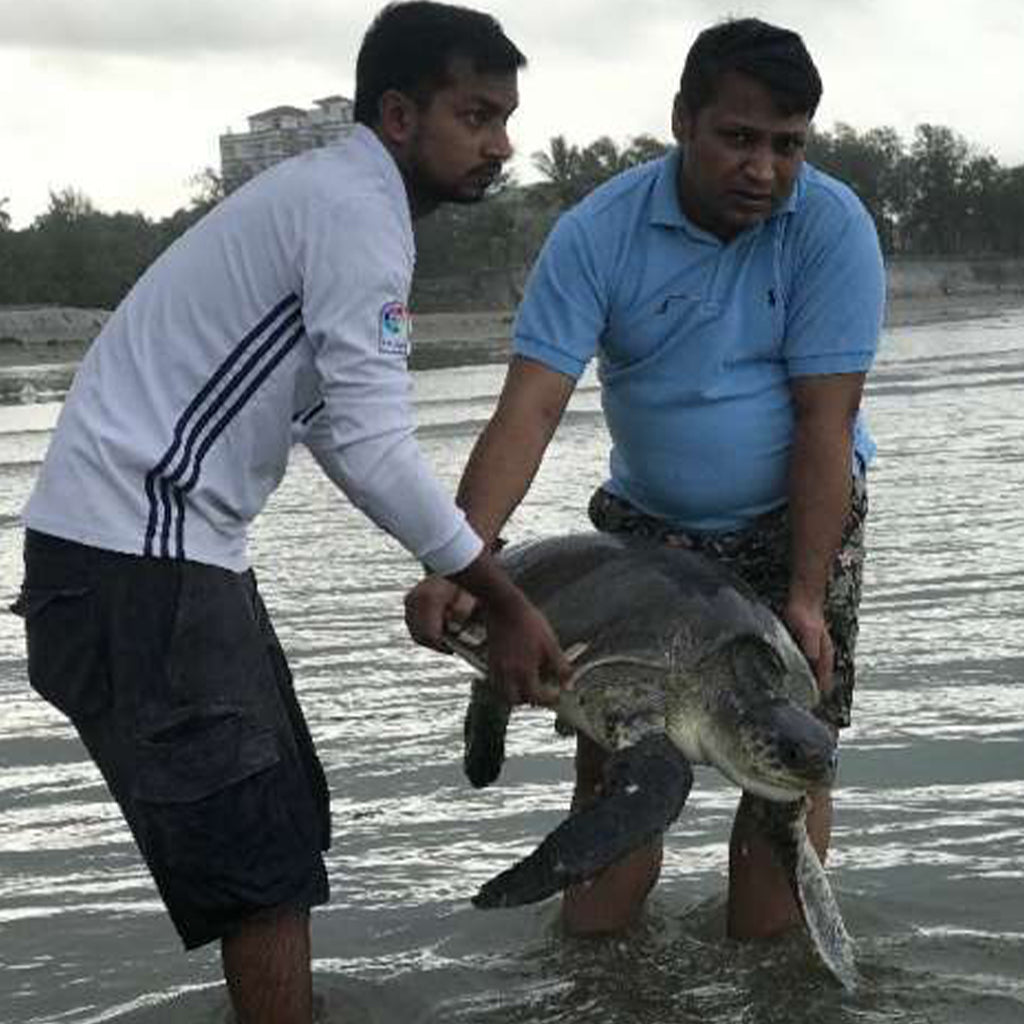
{"x": 173, "y": 677}
{"x": 759, "y": 553}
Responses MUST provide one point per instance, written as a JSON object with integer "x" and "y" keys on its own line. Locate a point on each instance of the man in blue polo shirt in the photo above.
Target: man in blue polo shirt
{"x": 733, "y": 298}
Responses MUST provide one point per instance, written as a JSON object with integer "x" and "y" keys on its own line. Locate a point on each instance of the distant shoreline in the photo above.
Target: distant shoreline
{"x": 45, "y": 335}
{"x": 917, "y": 310}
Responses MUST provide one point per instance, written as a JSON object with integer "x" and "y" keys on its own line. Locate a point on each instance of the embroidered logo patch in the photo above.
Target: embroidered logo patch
{"x": 395, "y": 329}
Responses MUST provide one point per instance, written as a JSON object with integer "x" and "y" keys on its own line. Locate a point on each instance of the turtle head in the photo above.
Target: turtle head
{"x": 755, "y": 732}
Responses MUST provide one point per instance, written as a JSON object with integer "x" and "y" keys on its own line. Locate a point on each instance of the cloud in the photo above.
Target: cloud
{"x": 126, "y": 98}
{"x": 176, "y": 28}
{"x": 288, "y": 28}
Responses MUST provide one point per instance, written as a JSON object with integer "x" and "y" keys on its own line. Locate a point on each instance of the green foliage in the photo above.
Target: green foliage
{"x": 76, "y": 256}
{"x": 937, "y": 196}
{"x": 874, "y": 165}
{"x": 1004, "y": 210}
{"x": 572, "y": 172}
{"x": 208, "y": 190}
{"x": 505, "y": 230}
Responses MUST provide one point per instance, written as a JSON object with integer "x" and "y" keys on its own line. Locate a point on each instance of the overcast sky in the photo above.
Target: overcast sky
{"x": 124, "y": 100}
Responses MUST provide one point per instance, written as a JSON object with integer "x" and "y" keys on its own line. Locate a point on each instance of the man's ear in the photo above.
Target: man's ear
{"x": 398, "y": 116}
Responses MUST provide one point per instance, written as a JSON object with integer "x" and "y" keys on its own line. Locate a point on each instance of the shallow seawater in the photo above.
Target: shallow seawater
{"x": 928, "y": 858}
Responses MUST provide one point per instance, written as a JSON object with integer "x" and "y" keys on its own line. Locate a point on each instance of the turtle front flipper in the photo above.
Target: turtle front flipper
{"x": 483, "y": 731}
{"x": 487, "y": 714}
{"x": 785, "y": 826}
{"x": 645, "y": 788}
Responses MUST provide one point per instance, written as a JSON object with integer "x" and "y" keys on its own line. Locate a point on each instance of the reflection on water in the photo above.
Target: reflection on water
{"x": 929, "y": 838}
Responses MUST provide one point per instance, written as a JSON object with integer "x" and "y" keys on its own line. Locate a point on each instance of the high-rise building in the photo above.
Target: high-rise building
{"x": 281, "y": 132}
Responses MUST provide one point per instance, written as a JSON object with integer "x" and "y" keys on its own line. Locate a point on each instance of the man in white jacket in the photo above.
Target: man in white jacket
{"x": 280, "y": 316}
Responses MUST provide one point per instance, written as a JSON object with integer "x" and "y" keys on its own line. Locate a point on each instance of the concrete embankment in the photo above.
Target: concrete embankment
{"x": 942, "y": 278}
{"x": 47, "y": 332}
{"x": 479, "y": 316}
{"x": 50, "y": 325}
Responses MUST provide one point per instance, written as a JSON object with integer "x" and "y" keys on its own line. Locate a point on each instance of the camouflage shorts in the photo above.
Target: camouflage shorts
{"x": 760, "y": 554}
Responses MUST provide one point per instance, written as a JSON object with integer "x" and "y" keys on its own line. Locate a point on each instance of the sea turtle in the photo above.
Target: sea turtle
{"x": 676, "y": 662}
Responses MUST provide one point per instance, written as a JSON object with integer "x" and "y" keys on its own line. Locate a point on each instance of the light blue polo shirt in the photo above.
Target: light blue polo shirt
{"x": 696, "y": 339}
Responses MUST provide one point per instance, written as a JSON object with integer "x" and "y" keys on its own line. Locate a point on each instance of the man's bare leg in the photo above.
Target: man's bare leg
{"x": 613, "y": 899}
{"x": 760, "y": 900}
{"x": 267, "y": 969}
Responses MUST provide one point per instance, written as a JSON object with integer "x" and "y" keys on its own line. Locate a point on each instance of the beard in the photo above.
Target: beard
{"x": 431, "y": 190}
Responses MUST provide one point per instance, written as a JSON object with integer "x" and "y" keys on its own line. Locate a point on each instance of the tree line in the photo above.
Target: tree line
{"x": 934, "y": 196}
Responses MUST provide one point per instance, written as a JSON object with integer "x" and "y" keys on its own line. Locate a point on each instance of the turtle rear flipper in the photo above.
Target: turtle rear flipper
{"x": 784, "y": 825}
{"x": 821, "y": 916}
{"x": 646, "y": 786}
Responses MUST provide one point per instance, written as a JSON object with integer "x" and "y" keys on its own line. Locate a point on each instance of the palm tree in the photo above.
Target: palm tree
{"x": 562, "y": 165}
{"x": 573, "y": 172}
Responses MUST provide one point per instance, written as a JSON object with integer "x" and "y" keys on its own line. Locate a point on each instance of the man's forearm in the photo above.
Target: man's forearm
{"x": 509, "y": 452}
{"x": 498, "y": 474}
{"x": 819, "y": 501}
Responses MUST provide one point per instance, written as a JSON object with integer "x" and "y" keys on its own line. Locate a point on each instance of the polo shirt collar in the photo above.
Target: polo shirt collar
{"x": 665, "y": 208}
{"x": 792, "y": 203}
{"x": 378, "y": 153}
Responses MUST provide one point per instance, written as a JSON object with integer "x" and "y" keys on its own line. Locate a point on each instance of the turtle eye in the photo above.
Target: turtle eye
{"x": 790, "y": 753}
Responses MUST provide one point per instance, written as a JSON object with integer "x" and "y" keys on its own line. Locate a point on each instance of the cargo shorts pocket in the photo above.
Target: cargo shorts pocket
{"x": 210, "y": 791}
{"x": 67, "y": 661}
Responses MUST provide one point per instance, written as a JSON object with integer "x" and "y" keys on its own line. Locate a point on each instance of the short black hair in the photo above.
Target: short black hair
{"x": 775, "y": 57}
{"x": 409, "y": 47}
